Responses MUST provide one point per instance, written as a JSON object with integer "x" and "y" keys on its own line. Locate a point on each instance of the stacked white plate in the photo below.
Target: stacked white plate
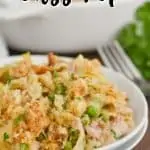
{"x": 136, "y": 139}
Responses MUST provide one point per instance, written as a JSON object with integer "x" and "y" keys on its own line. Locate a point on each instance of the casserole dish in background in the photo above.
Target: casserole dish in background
{"x": 69, "y": 29}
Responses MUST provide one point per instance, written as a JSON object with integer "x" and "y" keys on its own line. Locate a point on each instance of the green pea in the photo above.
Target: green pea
{"x": 60, "y": 89}
{"x": 73, "y": 135}
{"x": 85, "y": 119}
{"x": 104, "y": 116}
{"x": 51, "y": 97}
{"x": 78, "y": 98}
{"x": 24, "y": 146}
{"x": 92, "y": 111}
{"x": 68, "y": 146}
{"x": 19, "y": 119}
{"x": 5, "y": 136}
{"x": 55, "y": 74}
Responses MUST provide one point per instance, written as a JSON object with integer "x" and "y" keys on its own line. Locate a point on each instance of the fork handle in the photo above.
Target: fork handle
{"x": 145, "y": 87}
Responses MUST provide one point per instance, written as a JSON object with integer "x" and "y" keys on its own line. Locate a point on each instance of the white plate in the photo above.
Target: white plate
{"x": 136, "y": 98}
{"x": 133, "y": 142}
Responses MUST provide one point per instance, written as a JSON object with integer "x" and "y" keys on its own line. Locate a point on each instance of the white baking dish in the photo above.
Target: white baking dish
{"x": 77, "y": 27}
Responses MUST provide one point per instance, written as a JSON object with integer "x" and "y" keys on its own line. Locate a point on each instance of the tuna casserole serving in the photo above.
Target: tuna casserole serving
{"x": 60, "y": 106}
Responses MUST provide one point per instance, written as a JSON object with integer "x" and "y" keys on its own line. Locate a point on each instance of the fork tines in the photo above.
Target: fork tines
{"x": 114, "y": 57}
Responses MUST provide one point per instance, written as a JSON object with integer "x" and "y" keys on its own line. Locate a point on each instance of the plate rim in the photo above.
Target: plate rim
{"x": 141, "y": 136}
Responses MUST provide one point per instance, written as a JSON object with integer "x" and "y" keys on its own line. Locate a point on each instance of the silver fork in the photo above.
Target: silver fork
{"x": 113, "y": 56}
